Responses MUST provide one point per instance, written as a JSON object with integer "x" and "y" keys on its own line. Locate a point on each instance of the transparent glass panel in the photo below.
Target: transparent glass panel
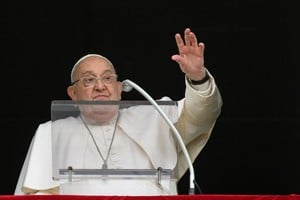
{"x": 89, "y": 140}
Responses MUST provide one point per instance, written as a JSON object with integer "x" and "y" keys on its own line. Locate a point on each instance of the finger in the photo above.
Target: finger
{"x": 187, "y": 37}
{"x": 179, "y": 42}
{"x": 177, "y": 58}
{"x": 193, "y": 39}
{"x": 201, "y": 47}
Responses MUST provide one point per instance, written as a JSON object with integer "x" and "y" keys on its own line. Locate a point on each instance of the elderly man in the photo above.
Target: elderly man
{"x": 147, "y": 145}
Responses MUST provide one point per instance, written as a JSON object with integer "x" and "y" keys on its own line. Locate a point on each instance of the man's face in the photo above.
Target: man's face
{"x": 106, "y": 87}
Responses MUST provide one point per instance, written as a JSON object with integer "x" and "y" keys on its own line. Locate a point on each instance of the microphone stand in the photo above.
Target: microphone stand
{"x": 127, "y": 86}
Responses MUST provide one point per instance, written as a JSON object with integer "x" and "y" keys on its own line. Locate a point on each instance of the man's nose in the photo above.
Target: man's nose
{"x": 99, "y": 84}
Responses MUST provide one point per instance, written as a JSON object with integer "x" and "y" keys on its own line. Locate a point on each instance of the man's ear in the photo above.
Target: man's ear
{"x": 71, "y": 92}
{"x": 120, "y": 89}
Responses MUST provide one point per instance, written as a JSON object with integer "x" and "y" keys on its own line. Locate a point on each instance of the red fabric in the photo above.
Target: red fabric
{"x": 175, "y": 197}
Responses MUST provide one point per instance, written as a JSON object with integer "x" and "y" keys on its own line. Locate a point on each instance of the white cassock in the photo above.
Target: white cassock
{"x": 142, "y": 141}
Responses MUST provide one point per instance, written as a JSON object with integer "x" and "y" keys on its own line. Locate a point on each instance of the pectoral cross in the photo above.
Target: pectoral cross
{"x": 104, "y": 165}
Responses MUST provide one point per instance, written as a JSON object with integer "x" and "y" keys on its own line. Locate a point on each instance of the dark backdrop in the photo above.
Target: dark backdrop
{"x": 251, "y": 49}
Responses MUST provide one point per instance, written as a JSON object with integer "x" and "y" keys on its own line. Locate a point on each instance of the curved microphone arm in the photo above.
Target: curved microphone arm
{"x": 127, "y": 86}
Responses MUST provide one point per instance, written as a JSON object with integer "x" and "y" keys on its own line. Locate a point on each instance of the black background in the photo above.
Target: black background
{"x": 252, "y": 49}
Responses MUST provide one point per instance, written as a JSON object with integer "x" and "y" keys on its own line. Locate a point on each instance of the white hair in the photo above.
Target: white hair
{"x": 83, "y": 58}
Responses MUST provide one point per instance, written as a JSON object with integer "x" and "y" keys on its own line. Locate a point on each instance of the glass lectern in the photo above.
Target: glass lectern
{"x": 90, "y": 153}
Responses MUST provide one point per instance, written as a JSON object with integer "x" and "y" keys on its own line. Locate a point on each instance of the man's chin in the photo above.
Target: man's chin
{"x": 101, "y": 114}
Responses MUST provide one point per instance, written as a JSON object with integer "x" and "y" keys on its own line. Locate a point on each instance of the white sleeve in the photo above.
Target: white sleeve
{"x": 36, "y": 174}
{"x": 18, "y": 189}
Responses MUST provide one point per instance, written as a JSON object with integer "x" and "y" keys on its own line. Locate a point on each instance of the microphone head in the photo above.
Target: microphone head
{"x": 126, "y": 87}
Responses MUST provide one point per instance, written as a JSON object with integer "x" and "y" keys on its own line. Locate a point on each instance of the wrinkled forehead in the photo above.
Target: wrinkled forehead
{"x": 86, "y": 59}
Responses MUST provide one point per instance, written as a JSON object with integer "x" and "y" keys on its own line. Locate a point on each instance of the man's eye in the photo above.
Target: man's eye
{"x": 106, "y": 78}
{"x": 89, "y": 79}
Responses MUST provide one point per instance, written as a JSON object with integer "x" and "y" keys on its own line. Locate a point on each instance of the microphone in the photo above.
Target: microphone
{"x": 127, "y": 86}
